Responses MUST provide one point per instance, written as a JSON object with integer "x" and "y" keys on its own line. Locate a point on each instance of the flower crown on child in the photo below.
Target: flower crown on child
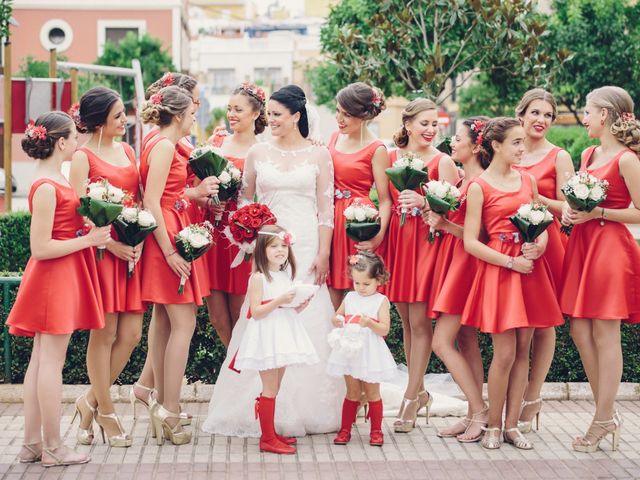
{"x": 287, "y": 237}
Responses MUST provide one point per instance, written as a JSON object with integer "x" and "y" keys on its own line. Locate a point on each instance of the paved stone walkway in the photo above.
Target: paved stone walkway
{"x": 418, "y": 455}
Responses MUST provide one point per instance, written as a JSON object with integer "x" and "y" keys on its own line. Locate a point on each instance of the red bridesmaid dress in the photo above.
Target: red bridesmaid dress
{"x": 59, "y": 295}
{"x": 119, "y": 293}
{"x": 545, "y": 174}
{"x": 410, "y": 257}
{"x": 454, "y": 269}
{"x": 353, "y": 178}
{"x": 602, "y": 262}
{"x": 159, "y": 283}
{"x": 222, "y": 277}
{"x": 501, "y": 299}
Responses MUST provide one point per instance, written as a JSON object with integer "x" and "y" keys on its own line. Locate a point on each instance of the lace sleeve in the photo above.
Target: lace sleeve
{"x": 324, "y": 189}
{"x": 248, "y": 189}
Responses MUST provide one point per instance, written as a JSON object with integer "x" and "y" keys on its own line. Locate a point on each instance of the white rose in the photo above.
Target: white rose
{"x": 454, "y": 192}
{"x": 198, "y": 240}
{"x": 596, "y": 193}
{"x": 573, "y": 181}
{"x": 235, "y": 174}
{"x": 130, "y": 215}
{"x": 536, "y": 217}
{"x": 115, "y": 194}
{"x": 547, "y": 216}
{"x": 224, "y": 178}
{"x": 524, "y": 211}
{"x": 441, "y": 190}
{"x": 581, "y": 191}
{"x": 417, "y": 164}
{"x": 371, "y": 212}
{"x": 349, "y": 214}
{"x": 97, "y": 191}
{"x": 145, "y": 219}
{"x": 360, "y": 215}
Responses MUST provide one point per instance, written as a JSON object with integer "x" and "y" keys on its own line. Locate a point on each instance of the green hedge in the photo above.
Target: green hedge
{"x": 207, "y": 353}
{"x": 573, "y": 139}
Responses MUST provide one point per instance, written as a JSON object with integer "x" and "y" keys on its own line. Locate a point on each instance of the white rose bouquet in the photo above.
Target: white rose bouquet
{"x": 230, "y": 180}
{"x": 583, "y": 192}
{"x": 362, "y": 222}
{"x": 102, "y": 204}
{"x": 133, "y": 226}
{"x": 192, "y": 242}
{"x": 407, "y": 173}
{"x": 442, "y": 198}
{"x": 531, "y": 220}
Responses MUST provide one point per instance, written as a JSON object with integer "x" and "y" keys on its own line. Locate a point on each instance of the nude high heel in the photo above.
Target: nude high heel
{"x": 122, "y": 439}
{"x": 163, "y": 429}
{"x": 525, "y": 426}
{"x": 591, "y": 440}
{"x": 85, "y": 437}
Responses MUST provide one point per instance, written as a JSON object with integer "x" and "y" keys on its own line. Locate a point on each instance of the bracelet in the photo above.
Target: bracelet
{"x": 425, "y": 203}
{"x": 602, "y": 213}
{"x": 167, "y": 255}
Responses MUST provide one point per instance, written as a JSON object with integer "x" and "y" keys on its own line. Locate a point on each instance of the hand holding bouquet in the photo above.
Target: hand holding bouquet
{"x": 102, "y": 204}
{"x": 243, "y": 229}
{"x": 583, "y": 193}
{"x": 207, "y": 161}
{"x": 230, "y": 180}
{"x": 362, "y": 220}
{"x": 531, "y": 220}
{"x": 191, "y": 243}
{"x": 407, "y": 173}
{"x": 133, "y": 226}
{"x": 442, "y": 198}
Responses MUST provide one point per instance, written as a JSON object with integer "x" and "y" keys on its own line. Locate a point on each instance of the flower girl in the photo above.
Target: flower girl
{"x": 274, "y": 338}
{"x": 359, "y": 350}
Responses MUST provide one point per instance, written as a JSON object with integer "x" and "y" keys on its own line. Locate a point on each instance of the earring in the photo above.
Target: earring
{"x": 100, "y": 140}
{"x": 601, "y": 122}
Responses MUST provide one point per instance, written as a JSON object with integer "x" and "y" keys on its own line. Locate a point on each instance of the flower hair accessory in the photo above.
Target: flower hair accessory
{"x": 255, "y": 91}
{"x": 287, "y": 237}
{"x": 377, "y": 98}
{"x": 354, "y": 259}
{"x": 478, "y": 127}
{"x": 627, "y": 117}
{"x": 156, "y": 99}
{"x": 36, "y": 132}
{"x": 167, "y": 79}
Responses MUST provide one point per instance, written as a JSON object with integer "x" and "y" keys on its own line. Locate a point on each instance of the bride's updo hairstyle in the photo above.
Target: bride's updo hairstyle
{"x": 621, "y": 120}
{"x": 163, "y": 106}
{"x": 40, "y": 138}
{"x": 293, "y": 98}
{"x": 496, "y": 130}
{"x": 361, "y": 100}
{"x": 413, "y": 108}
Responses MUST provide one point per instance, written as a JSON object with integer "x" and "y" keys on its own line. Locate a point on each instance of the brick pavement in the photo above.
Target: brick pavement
{"x": 418, "y": 455}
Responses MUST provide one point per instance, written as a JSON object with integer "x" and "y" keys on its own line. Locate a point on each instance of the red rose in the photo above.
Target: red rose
{"x": 253, "y": 210}
{"x": 245, "y": 220}
{"x": 256, "y": 223}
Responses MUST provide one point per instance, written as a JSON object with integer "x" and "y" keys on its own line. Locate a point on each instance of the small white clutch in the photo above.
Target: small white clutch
{"x": 304, "y": 291}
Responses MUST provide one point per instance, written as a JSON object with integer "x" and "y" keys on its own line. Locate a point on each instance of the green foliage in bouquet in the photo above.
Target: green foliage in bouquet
{"x": 100, "y": 212}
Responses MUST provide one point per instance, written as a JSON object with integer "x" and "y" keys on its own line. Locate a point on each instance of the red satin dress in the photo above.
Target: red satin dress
{"x": 159, "y": 283}
{"x": 410, "y": 258}
{"x": 59, "y": 295}
{"x": 602, "y": 262}
{"x": 501, "y": 299}
{"x": 119, "y": 293}
{"x": 454, "y": 270}
{"x": 353, "y": 178}
{"x": 545, "y": 174}
{"x": 222, "y": 277}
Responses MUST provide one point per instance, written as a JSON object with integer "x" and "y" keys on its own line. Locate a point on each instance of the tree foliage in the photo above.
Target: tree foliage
{"x": 408, "y": 46}
{"x": 154, "y": 61}
{"x": 6, "y": 9}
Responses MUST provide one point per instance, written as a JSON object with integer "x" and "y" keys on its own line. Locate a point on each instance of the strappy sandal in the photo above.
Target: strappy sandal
{"x": 31, "y": 453}
{"x": 591, "y": 440}
{"x": 526, "y": 426}
{"x": 61, "y": 456}
{"x": 491, "y": 438}
{"x": 464, "y": 423}
{"x": 519, "y": 441}
{"x": 481, "y": 418}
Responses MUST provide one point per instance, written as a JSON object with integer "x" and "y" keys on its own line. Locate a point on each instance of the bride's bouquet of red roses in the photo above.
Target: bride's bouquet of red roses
{"x": 243, "y": 227}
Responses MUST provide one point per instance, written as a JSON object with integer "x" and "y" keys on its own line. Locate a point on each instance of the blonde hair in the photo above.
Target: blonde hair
{"x": 413, "y": 108}
{"x": 622, "y": 123}
{"x": 167, "y": 103}
{"x": 533, "y": 95}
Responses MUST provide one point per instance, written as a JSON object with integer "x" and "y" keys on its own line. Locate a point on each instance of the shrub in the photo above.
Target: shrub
{"x": 573, "y": 139}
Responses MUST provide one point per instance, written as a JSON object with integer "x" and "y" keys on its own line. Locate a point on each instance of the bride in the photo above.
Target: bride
{"x": 295, "y": 179}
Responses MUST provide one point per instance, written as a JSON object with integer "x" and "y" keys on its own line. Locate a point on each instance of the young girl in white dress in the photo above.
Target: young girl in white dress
{"x": 274, "y": 337}
{"x": 371, "y": 362}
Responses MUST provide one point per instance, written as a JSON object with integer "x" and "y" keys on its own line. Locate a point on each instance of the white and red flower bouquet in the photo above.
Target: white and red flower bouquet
{"x": 243, "y": 227}
{"x": 191, "y": 243}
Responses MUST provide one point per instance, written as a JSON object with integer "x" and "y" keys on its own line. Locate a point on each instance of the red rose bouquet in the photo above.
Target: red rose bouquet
{"x": 243, "y": 229}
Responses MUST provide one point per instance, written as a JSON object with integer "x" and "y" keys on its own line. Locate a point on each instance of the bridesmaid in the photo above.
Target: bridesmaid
{"x": 603, "y": 258}
{"x": 453, "y": 273}
{"x": 247, "y": 118}
{"x": 59, "y": 292}
{"x": 164, "y": 175}
{"x": 410, "y": 258}
{"x": 502, "y": 301}
{"x": 102, "y": 114}
{"x": 551, "y": 166}
{"x": 359, "y": 162}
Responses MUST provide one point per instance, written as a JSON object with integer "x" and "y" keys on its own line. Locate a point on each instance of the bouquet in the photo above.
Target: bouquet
{"x": 407, "y": 173}
{"x": 191, "y": 243}
{"x": 133, "y": 225}
{"x": 206, "y": 162}
{"x": 348, "y": 338}
{"x": 442, "y": 197}
{"x": 243, "y": 227}
{"x": 531, "y": 220}
{"x": 583, "y": 192}
{"x": 362, "y": 221}
{"x": 230, "y": 180}
{"x": 102, "y": 204}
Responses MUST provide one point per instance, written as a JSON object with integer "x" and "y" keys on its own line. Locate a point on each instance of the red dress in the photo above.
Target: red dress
{"x": 222, "y": 277}
{"x": 410, "y": 257}
{"x": 545, "y": 174}
{"x": 119, "y": 293}
{"x": 602, "y": 263}
{"x": 353, "y": 178}
{"x": 159, "y": 283}
{"x": 501, "y": 299}
{"x": 454, "y": 269}
{"x": 59, "y": 295}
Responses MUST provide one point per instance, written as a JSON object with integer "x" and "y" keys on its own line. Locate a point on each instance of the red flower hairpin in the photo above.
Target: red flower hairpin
{"x": 478, "y": 126}
{"x": 33, "y": 131}
{"x": 167, "y": 79}
{"x": 628, "y": 116}
{"x": 254, "y": 91}
{"x": 354, "y": 259}
{"x": 156, "y": 98}
{"x": 377, "y": 98}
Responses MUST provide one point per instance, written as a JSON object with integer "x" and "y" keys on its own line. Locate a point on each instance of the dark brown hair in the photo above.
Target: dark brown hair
{"x": 171, "y": 102}
{"x": 496, "y": 130}
{"x": 533, "y": 95}
{"x": 357, "y": 99}
{"x": 94, "y": 108}
{"x": 413, "y": 108}
{"x": 257, "y": 105}
{"x": 370, "y": 263}
{"x": 294, "y": 100}
{"x": 58, "y": 124}
{"x": 261, "y": 264}
{"x": 180, "y": 80}
{"x": 475, "y": 132}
